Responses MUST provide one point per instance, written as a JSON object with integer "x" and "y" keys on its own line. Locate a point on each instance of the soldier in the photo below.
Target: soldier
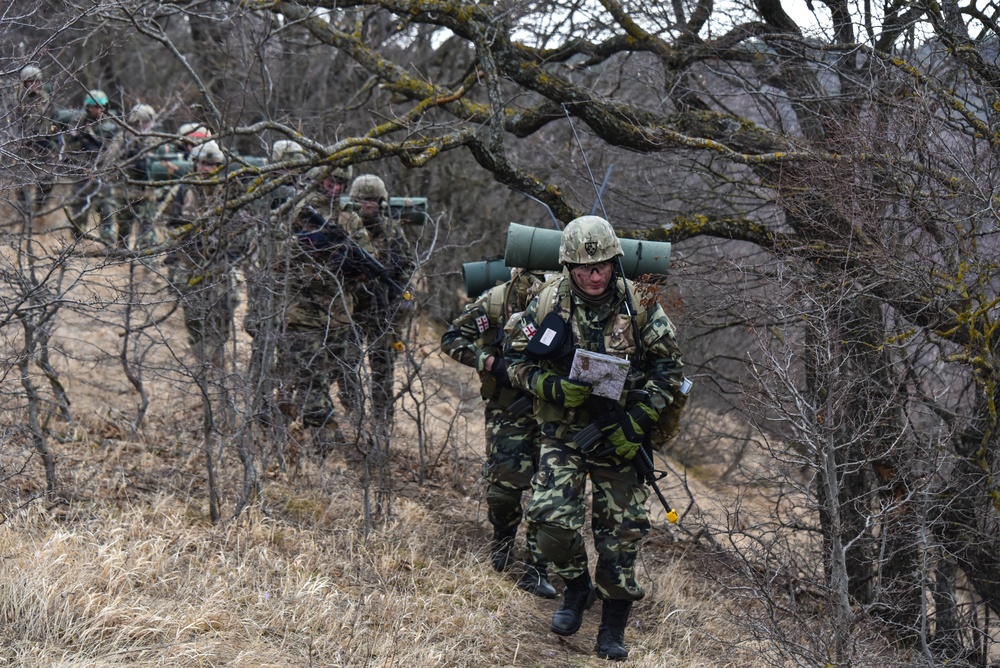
{"x": 139, "y": 152}
{"x": 191, "y": 134}
{"x": 200, "y": 259}
{"x": 475, "y": 339}
{"x": 318, "y": 318}
{"x": 93, "y": 147}
{"x": 326, "y": 198}
{"x": 592, "y": 307}
{"x": 38, "y": 134}
{"x": 383, "y": 313}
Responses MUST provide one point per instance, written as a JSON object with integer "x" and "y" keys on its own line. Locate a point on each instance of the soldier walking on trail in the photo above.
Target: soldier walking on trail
{"x": 200, "y": 258}
{"x": 382, "y": 313}
{"x": 593, "y": 308}
{"x": 93, "y": 148}
{"x": 475, "y": 339}
{"x": 313, "y": 271}
{"x": 140, "y": 149}
{"x": 35, "y": 120}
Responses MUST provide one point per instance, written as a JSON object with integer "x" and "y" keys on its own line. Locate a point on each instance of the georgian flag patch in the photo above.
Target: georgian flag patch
{"x": 482, "y": 323}
{"x": 529, "y": 330}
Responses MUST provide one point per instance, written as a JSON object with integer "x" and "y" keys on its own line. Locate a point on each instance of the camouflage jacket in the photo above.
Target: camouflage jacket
{"x": 477, "y": 334}
{"x": 93, "y": 145}
{"x": 35, "y": 117}
{"x": 385, "y": 240}
{"x": 320, "y": 295}
{"x": 608, "y": 328}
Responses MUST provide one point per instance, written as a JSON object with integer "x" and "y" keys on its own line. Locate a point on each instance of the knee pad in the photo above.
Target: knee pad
{"x": 503, "y": 500}
{"x": 559, "y": 545}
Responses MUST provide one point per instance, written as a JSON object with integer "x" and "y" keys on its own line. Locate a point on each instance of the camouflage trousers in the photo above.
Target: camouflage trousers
{"x": 208, "y": 305}
{"x": 618, "y": 520}
{"x": 90, "y": 195}
{"x": 511, "y": 457}
{"x": 308, "y": 362}
{"x": 138, "y": 214}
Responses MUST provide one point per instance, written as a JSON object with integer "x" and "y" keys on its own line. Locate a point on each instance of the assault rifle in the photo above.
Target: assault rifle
{"x": 647, "y": 473}
{"x": 328, "y": 237}
{"x": 590, "y": 436}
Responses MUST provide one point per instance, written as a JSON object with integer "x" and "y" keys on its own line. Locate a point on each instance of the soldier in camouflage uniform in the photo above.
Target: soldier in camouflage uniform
{"x": 139, "y": 149}
{"x": 314, "y": 349}
{"x": 326, "y": 198}
{"x": 475, "y": 339}
{"x": 382, "y": 315}
{"x": 200, "y": 262}
{"x": 39, "y": 139}
{"x": 93, "y": 148}
{"x": 591, "y": 307}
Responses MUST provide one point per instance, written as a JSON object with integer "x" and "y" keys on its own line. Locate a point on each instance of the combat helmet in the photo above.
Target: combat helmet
{"x": 588, "y": 240}
{"x": 142, "y": 114}
{"x": 30, "y": 73}
{"x": 95, "y": 98}
{"x": 194, "y": 131}
{"x": 208, "y": 152}
{"x": 342, "y": 172}
{"x": 286, "y": 149}
{"x": 525, "y": 284}
{"x": 369, "y": 186}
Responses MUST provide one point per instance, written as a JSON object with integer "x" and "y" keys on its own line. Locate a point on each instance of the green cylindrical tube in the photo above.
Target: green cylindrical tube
{"x": 481, "y": 276}
{"x": 537, "y": 249}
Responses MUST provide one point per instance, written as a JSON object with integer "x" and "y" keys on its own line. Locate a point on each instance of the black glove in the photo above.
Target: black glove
{"x": 499, "y": 371}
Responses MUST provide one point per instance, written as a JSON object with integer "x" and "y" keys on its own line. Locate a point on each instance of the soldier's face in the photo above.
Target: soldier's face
{"x": 32, "y": 85}
{"x": 593, "y": 279}
{"x": 95, "y": 111}
{"x": 333, "y": 186}
{"x": 368, "y": 208}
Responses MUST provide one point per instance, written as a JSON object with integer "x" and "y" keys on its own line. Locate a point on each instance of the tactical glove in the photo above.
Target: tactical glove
{"x": 561, "y": 390}
{"x": 499, "y": 371}
{"x": 632, "y": 430}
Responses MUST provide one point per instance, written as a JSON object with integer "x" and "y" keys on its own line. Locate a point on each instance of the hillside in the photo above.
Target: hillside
{"x": 126, "y": 568}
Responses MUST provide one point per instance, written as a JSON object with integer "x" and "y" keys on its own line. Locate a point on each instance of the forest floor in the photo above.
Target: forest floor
{"x": 331, "y": 565}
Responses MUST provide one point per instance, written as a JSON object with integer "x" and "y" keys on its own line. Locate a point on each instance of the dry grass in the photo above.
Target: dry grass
{"x": 144, "y": 584}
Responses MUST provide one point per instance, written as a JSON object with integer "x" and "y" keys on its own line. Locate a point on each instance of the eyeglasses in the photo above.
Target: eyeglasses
{"x": 599, "y": 267}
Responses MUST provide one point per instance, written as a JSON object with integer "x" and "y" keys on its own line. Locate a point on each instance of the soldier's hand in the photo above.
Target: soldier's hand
{"x": 628, "y": 437}
{"x": 499, "y": 371}
{"x": 561, "y": 390}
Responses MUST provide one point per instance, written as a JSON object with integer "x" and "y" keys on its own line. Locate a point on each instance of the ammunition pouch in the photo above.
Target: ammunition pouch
{"x": 521, "y": 406}
{"x": 669, "y": 424}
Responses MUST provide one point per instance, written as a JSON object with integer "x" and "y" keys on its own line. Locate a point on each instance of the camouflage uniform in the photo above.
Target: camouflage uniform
{"x": 558, "y": 504}
{"x": 35, "y": 119}
{"x": 139, "y": 149}
{"x": 511, "y": 441}
{"x": 316, "y": 349}
{"x": 381, "y": 317}
{"x": 93, "y": 147}
{"x": 199, "y": 265}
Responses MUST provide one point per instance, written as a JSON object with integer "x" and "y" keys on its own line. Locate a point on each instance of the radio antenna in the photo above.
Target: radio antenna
{"x": 598, "y": 191}
{"x": 555, "y": 221}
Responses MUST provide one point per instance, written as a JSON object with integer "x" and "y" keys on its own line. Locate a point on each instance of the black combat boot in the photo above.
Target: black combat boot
{"x": 502, "y": 548}
{"x": 578, "y": 597}
{"x": 535, "y": 581}
{"x": 611, "y": 634}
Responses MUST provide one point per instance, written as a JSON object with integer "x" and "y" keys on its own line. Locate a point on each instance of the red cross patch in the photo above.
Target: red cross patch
{"x": 482, "y": 323}
{"x": 529, "y": 330}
